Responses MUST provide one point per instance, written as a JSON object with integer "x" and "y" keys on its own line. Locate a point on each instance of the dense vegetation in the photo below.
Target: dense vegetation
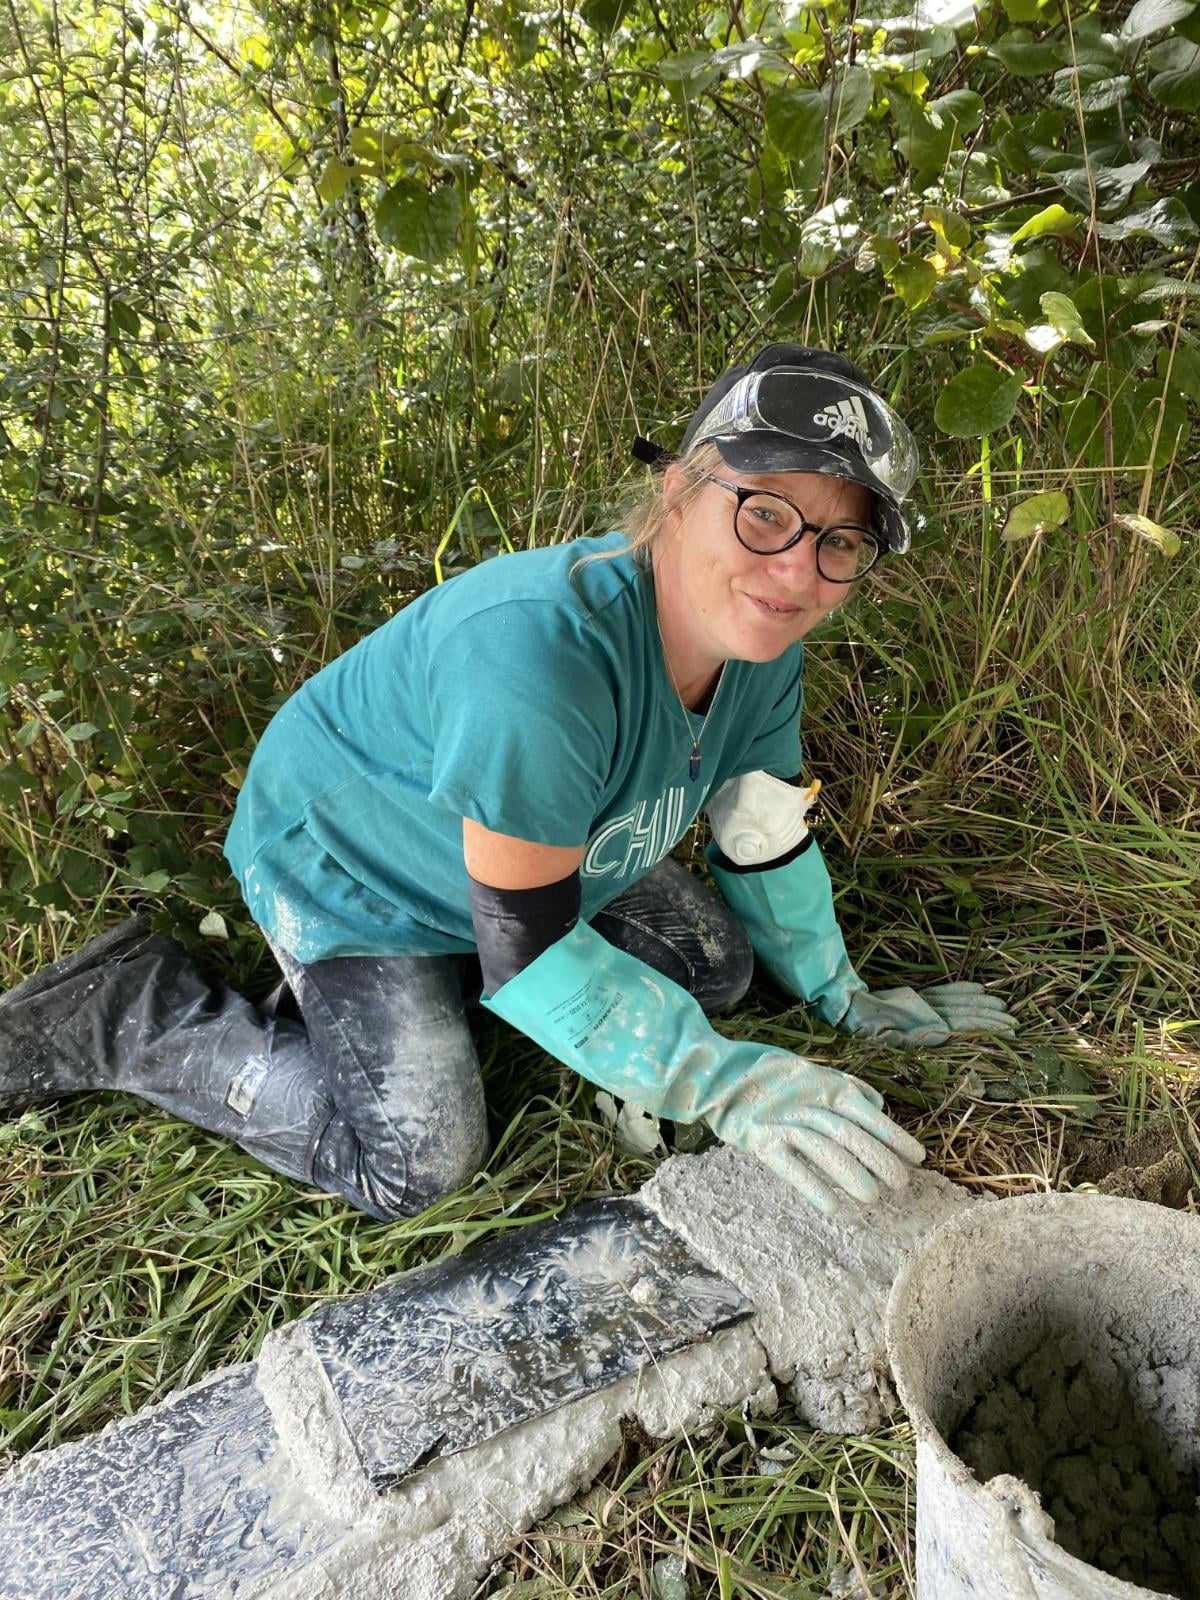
{"x": 304, "y": 308}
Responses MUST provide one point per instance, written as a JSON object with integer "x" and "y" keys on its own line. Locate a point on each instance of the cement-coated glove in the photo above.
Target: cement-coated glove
{"x": 634, "y": 1032}
{"x": 817, "y": 1128}
{"x": 788, "y": 912}
{"x": 917, "y": 1017}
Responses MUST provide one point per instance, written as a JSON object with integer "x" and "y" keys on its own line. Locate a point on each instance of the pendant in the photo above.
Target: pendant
{"x": 694, "y": 763}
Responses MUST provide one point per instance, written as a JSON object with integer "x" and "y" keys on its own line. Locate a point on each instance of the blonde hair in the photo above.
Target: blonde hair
{"x": 642, "y": 516}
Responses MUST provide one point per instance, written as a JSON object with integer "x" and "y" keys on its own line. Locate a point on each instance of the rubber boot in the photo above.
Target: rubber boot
{"x": 131, "y": 1011}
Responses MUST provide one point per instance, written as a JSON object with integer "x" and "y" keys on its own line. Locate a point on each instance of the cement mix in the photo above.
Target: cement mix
{"x": 1084, "y": 1432}
{"x": 819, "y": 1284}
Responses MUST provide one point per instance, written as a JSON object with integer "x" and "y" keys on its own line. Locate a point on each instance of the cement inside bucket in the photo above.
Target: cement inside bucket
{"x": 1054, "y": 1340}
{"x": 1087, "y": 1429}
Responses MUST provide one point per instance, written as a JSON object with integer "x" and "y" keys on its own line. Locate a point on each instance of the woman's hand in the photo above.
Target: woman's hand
{"x": 914, "y": 1019}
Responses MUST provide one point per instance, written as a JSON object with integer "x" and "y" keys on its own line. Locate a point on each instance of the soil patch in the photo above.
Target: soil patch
{"x": 1084, "y": 1433}
{"x": 1150, "y": 1166}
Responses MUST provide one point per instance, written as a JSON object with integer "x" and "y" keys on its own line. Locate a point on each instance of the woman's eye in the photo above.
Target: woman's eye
{"x": 765, "y": 514}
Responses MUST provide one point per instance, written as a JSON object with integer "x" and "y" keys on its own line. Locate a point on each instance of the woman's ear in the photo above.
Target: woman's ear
{"x": 674, "y": 483}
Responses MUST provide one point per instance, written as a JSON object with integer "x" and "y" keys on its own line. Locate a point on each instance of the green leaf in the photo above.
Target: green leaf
{"x": 1177, "y": 84}
{"x": 977, "y": 401}
{"x": 381, "y": 152}
{"x": 1112, "y": 185}
{"x": 1166, "y": 539}
{"x": 1149, "y": 401}
{"x": 1045, "y": 1075}
{"x": 925, "y": 135}
{"x": 849, "y": 92}
{"x": 746, "y": 58}
{"x": 1035, "y": 515}
{"x": 1053, "y": 219}
{"x": 1026, "y": 57}
{"x": 961, "y": 110}
{"x": 1151, "y": 16}
{"x": 1183, "y": 370}
{"x": 933, "y": 326}
{"x": 125, "y": 318}
{"x": 1021, "y": 10}
{"x": 1167, "y": 221}
{"x": 153, "y": 882}
{"x": 924, "y": 146}
{"x": 796, "y": 123}
{"x": 421, "y": 224}
{"x": 69, "y": 799}
{"x": 1063, "y": 316}
{"x": 1097, "y": 89}
{"x": 1043, "y": 337}
{"x": 212, "y": 926}
{"x": 692, "y": 71}
{"x": 950, "y": 230}
{"x": 605, "y": 15}
{"x": 829, "y": 233}
{"x": 1095, "y": 50}
{"x": 80, "y": 731}
{"x": 914, "y": 280}
{"x": 334, "y": 179}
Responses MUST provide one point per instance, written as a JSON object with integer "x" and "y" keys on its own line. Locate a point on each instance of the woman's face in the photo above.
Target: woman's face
{"x": 730, "y": 603}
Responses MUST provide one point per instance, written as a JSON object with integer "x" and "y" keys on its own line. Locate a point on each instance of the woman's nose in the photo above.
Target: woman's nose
{"x": 795, "y": 569}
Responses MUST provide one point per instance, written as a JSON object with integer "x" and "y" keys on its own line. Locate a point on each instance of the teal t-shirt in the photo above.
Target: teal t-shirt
{"x": 535, "y": 702}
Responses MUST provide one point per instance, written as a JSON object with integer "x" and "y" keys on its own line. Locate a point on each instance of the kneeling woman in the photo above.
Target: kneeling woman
{"x": 502, "y": 770}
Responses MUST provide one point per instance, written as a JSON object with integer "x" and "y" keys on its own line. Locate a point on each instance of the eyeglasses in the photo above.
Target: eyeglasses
{"x": 768, "y": 523}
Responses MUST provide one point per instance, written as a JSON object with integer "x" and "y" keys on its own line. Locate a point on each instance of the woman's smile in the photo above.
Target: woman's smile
{"x": 775, "y": 610}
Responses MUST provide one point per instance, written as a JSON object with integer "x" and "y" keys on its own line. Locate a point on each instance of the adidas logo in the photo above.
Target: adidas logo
{"x": 846, "y": 417}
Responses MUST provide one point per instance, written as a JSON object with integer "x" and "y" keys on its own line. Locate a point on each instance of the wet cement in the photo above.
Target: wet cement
{"x": 1086, "y": 1433}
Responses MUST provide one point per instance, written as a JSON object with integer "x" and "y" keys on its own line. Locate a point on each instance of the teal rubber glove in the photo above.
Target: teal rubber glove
{"x": 634, "y": 1032}
{"x": 917, "y": 1017}
{"x": 788, "y": 913}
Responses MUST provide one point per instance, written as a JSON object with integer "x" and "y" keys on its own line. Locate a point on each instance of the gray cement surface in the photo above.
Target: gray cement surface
{"x": 819, "y": 1284}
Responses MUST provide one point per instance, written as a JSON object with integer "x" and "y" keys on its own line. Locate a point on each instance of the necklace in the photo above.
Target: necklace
{"x": 694, "y": 758}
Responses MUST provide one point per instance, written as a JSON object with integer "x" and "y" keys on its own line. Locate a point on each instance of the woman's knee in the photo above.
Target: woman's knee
{"x": 442, "y": 1146}
{"x": 432, "y": 1172}
{"x": 730, "y": 969}
{"x": 676, "y": 924}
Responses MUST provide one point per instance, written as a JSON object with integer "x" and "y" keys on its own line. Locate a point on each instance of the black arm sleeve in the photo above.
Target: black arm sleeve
{"x": 514, "y": 926}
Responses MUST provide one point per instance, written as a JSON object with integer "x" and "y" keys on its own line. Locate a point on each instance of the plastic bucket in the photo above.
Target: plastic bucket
{"x": 1053, "y": 1342}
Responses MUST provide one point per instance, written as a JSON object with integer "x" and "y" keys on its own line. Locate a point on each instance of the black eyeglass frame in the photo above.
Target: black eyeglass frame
{"x": 744, "y": 493}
